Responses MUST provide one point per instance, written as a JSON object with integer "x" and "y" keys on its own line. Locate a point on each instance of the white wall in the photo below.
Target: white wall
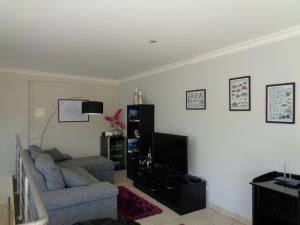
{"x": 77, "y": 139}
{"x": 13, "y": 120}
{"x": 226, "y": 148}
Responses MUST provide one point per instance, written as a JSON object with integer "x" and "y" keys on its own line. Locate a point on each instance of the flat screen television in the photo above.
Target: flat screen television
{"x": 170, "y": 153}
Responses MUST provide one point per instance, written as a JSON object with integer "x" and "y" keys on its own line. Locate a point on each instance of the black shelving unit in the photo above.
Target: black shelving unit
{"x": 274, "y": 204}
{"x": 140, "y": 126}
{"x": 113, "y": 148}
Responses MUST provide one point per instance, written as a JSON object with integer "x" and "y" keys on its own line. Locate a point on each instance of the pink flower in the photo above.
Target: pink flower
{"x": 108, "y": 118}
{"x": 115, "y": 120}
{"x": 117, "y": 114}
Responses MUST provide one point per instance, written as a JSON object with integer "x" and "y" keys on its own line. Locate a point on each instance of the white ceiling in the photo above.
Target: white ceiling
{"x": 110, "y": 38}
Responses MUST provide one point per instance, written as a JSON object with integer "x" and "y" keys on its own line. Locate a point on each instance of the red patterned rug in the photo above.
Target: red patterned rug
{"x": 133, "y": 207}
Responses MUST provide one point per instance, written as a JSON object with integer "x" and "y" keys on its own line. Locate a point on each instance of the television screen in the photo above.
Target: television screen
{"x": 170, "y": 153}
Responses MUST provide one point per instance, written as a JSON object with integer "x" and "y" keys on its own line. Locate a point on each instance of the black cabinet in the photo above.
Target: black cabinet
{"x": 140, "y": 126}
{"x": 274, "y": 204}
{"x": 179, "y": 193}
{"x": 113, "y": 148}
{"x": 132, "y": 164}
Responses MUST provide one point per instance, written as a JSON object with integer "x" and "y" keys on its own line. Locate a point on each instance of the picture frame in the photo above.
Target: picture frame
{"x": 133, "y": 114}
{"x": 70, "y": 110}
{"x": 240, "y": 94}
{"x": 196, "y": 99}
{"x": 280, "y": 103}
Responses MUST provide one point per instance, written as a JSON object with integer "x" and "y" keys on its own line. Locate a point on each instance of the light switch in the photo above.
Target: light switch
{"x": 39, "y": 113}
{"x": 32, "y": 136}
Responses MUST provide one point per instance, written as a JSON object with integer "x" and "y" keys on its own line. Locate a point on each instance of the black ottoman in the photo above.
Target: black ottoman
{"x": 107, "y": 221}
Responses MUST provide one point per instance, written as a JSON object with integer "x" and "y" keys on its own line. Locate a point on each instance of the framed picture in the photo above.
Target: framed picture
{"x": 196, "y": 99}
{"x": 280, "y": 103}
{"x": 69, "y": 110}
{"x": 240, "y": 94}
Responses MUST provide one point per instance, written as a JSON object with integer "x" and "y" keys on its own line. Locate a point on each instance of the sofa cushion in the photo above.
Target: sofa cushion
{"x": 37, "y": 176}
{"x": 57, "y": 155}
{"x": 50, "y": 171}
{"x": 68, "y": 197}
{"x": 84, "y": 173}
{"x": 35, "y": 151}
{"x": 74, "y": 177}
{"x": 91, "y": 164}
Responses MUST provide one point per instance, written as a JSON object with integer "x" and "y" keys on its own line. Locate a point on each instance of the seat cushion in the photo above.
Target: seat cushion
{"x": 91, "y": 163}
{"x": 50, "y": 171}
{"x": 73, "y": 179}
{"x": 77, "y": 176}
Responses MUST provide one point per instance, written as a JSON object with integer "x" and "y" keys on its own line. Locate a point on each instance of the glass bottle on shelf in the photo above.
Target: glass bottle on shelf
{"x": 136, "y": 97}
{"x": 149, "y": 161}
{"x": 140, "y": 100}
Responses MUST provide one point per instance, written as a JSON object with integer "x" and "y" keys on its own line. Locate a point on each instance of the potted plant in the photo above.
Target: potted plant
{"x": 116, "y": 123}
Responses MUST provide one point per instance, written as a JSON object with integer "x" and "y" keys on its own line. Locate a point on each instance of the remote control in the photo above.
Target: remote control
{"x": 194, "y": 178}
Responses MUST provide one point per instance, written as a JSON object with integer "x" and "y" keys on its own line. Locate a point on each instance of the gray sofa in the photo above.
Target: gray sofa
{"x": 98, "y": 199}
{"x": 98, "y": 166}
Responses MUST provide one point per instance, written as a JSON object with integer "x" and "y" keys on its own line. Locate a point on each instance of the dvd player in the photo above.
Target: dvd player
{"x": 289, "y": 182}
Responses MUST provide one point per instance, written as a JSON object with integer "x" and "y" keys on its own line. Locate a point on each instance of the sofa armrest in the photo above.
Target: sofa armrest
{"x": 78, "y": 195}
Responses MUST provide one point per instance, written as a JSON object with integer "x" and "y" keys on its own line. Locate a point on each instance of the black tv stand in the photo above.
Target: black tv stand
{"x": 178, "y": 192}
{"x": 171, "y": 176}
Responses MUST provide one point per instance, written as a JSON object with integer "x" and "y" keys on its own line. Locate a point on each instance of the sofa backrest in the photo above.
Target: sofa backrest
{"x": 38, "y": 177}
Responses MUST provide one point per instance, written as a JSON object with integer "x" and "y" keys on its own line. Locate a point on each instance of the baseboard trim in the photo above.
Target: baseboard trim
{"x": 228, "y": 213}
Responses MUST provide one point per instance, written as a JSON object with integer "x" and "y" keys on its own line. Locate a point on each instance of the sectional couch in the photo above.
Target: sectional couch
{"x": 76, "y": 189}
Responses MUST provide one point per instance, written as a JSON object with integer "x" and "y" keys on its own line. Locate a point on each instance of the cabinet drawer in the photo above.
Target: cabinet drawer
{"x": 172, "y": 194}
{"x": 277, "y": 204}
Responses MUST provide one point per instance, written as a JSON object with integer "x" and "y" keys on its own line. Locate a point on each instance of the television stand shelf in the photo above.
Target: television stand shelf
{"x": 181, "y": 194}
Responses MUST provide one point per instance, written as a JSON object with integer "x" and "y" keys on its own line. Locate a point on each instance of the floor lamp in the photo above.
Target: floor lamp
{"x": 88, "y": 107}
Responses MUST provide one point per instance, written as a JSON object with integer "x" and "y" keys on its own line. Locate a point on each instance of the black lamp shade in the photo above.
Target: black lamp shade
{"x": 92, "y": 107}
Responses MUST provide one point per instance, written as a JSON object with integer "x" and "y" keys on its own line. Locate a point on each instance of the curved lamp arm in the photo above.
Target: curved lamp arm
{"x": 46, "y": 126}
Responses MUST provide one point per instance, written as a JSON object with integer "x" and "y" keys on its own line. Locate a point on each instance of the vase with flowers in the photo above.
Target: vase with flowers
{"x": 116, "y": 123}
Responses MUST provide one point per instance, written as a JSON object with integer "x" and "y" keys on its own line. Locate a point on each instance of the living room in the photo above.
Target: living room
{"x": 173, "y": 48}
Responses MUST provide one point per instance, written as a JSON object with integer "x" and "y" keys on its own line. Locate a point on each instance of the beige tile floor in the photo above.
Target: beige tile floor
{"x": 168, "y": 217}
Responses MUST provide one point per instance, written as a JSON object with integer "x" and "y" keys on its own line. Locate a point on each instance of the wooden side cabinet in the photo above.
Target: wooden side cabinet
{"x": 274, "y": 204}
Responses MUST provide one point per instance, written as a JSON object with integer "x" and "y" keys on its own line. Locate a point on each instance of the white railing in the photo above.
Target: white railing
{"x": 29, "y": 195}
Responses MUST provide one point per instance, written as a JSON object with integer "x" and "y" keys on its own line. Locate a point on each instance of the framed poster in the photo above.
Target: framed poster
{"x": 69, "y": 110}
{"x": 196, "y": 99}
{"x": 280, "y": 103}
{"x": 240, "y": 94}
